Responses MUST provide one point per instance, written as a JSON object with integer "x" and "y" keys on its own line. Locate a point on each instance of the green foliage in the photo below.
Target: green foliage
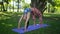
{"x": 9, "y": 0}
{"x": 26, "y": 5}
{"x": 54, "y": 2}
{"x": 57, "y": 2}
{"x": 23, "y": 1}
{"x": 53, "y": 5}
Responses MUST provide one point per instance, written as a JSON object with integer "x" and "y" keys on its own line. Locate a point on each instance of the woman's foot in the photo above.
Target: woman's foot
{"x": 25, "y": 30}
{"x": 41, "y": 25}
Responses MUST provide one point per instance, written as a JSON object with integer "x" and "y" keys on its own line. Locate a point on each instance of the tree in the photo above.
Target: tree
{"x": 54, "y": 3}
{"x": 2, "y": 4}
{"x": 40, "y": 4}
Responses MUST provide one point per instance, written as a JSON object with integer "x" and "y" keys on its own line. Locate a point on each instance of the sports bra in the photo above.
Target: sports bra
{"x": 27, "y": 10}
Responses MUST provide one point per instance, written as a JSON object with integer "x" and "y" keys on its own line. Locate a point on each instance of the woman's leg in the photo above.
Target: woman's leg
{"x": 34, "y": 19}
{"x": 39, "y": 14}
{"x": 40, "y": 18}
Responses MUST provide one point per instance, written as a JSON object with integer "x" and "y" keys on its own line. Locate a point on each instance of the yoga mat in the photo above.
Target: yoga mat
{"x": 30, "y": 28}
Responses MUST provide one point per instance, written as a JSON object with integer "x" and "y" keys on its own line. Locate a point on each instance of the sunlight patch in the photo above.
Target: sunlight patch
{"x": 55, "y": 18}
{"x": 3, "y": 23}
{"x": 1, "y": 12}
{"x": 4, "y": 17}
{"x": 10, "y": 25}
{"x": 19, "y": 15}
{"x": 47, "y": 15}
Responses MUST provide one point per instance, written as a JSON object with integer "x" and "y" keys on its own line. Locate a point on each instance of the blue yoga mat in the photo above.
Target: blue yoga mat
{"x": 30, "y": 28}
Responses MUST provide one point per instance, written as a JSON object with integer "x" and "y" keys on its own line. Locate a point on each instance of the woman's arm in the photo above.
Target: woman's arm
{"x": 28, "y": 16}
{"x": 20, "y": 22}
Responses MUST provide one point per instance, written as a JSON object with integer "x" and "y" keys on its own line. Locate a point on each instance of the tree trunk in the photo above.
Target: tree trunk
{"x": 39, "y": 4}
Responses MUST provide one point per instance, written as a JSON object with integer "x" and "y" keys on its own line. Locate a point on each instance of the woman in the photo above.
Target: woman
{"x": 26, "y": 17}
{"x": 36, "y": 12}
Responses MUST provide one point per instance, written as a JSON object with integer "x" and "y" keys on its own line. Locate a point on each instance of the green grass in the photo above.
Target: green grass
{"x": 9, "y": 20}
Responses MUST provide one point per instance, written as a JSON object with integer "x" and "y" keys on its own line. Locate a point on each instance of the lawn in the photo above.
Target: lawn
{"x": 9, "y": 20}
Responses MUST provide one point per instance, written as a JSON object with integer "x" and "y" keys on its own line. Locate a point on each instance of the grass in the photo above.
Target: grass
{"x": 9, "y": 20}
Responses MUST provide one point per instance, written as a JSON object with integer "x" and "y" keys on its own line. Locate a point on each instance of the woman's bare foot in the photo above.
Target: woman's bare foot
{"x": 41, "y": 25}
{"x": 25, "y": 30}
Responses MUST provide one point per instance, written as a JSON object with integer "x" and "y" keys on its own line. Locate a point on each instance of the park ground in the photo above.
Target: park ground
{"x": 9, "y": 20}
